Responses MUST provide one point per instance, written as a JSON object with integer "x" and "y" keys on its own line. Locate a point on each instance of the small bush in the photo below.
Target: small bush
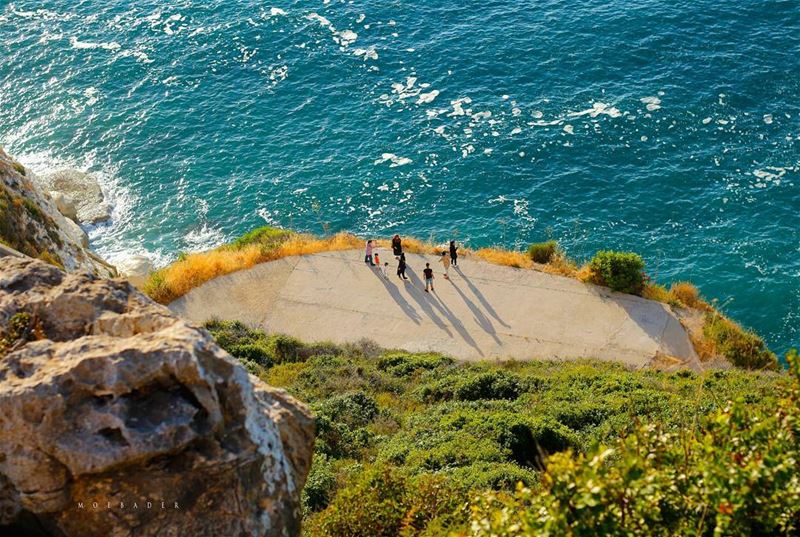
{"x": 542, "y": 252}
{"x": 19, "y": 168}
{"x": 472, "y": 386}
{"x": 320, "y": 485}
{"x": 621, "y": 271}
{"x": 402, "y": 364}
{"x": 687, "y": 294}
{"x": 740, "y": 347}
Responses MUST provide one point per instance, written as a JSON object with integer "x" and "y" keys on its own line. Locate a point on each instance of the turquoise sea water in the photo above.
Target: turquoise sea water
{"x": 667, "y": 128}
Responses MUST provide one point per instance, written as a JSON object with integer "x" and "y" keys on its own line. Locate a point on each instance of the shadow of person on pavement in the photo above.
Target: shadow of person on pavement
{"x": 482, "y": 320}
{"x": 397, "y": 296}
{"x": 488, "y": 307}
{"x": 433, "y": 299}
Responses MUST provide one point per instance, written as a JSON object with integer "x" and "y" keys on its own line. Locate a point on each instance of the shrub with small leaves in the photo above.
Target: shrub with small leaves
{"x": 542, "y": 252}
{"x": 621, "y": 271}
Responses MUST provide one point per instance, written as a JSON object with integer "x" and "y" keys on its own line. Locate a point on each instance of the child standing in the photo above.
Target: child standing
{"x": 377, "y": 259}
{"x": 446, "y": 263}
{"x": 385, "y": 271}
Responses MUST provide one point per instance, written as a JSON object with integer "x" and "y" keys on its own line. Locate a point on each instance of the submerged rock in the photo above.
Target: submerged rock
{"x": 107, "y": 400}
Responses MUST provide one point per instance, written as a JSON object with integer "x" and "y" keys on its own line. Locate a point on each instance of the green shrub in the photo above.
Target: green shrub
{"x": 320, "y": 484}
{"x": 472, "y": 386}
{"x": 741, "y": 347}
{"x": 542, "y": 252}
{"x": 19, "y": 168}
{"x": 342, "y": 422}
{"x": 264, "y": 235}
{"x": 403, "y": 364}
{"x": 736, "y": 474}
{"x": 387, "y": 502}
{"x": 621, "y": 271}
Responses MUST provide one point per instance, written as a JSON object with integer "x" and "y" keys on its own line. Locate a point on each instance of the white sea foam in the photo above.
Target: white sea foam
{"x": 427, "y": 97}
{"x": 569, "y": 129}
{"x": 707, "y": 120}
{"x": 768, "y": 119}
{"x": 368, "y": 53}
{"x": 598, "y": 108}
{"x": 276, "y": 11}
{"x": 75, "y": 43}
{"x": 516, "y": 130}
{"x": 393, "y": 159}
{"x": 458, "y": 108}
{"x": 651, "y": 103}
{"x": 361, "y": 18}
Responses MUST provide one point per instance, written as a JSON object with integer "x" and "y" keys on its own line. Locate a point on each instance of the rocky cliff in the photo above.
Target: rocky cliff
{"x": 118, "y": 419}
{"x": 43, "y": 223}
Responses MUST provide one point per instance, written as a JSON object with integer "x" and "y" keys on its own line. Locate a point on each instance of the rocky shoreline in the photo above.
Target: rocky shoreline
{"x": 52, "y": 210}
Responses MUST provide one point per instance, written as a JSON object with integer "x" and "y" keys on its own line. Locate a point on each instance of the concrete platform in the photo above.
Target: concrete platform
{"x": 484, "y": 311}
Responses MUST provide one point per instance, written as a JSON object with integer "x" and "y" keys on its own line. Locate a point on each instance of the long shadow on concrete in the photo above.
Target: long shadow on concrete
{"x": 417, "y": 294}
{"x": 397, "y": 296}
{"x": 485, "y": 303}
{"x": 433, "y": 299}
{"x": 481, "y": 319}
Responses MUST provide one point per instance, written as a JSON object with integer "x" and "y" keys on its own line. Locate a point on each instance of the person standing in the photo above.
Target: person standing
{"x": 428, "y": 272}
{"x": 454, "y": 253}
{"x": 446, "y": 263}
{"x": 376, "y": 259}
{"x": 385, "y": 271}
{"x": 368, "y": 254}
{"x": 401, "y": 267}
{"x": 397, "y": 245}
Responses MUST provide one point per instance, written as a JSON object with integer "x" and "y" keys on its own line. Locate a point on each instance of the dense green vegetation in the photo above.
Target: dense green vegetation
{"x": 415, "y": 444}
{"x": 621, "y": 271}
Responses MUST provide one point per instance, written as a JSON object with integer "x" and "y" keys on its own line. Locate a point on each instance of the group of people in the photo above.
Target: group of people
{"x": 372, "y": 257}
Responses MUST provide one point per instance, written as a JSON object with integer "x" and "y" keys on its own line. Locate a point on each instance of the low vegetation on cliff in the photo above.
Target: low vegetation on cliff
{"x": 416, "y": 444}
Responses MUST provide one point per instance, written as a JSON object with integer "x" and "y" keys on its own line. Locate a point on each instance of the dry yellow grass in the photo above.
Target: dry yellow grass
{"x": 179, "y": 278}
{"x": 508, "y": 258}
{"x": 561, "y": 265}
{"x": 687, "y": 294}
{"x": 309, "y": 244}
{"x": 654, "y": 291}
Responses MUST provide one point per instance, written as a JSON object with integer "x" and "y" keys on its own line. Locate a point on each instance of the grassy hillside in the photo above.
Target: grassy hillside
{"x": 415, "y": 444}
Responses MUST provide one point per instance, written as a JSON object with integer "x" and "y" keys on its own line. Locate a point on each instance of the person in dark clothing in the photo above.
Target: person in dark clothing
{"x": 397, "y": 245}
{"x": 453, "y": 253}
{"x": 428, "y": 272}
{"x": 401, "y": 267}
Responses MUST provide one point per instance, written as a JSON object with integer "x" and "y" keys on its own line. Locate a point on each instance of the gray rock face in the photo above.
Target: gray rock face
{"x": 83, "y": 191}
{"x": 107, "y": 400}
{"x": 31, "y": 222}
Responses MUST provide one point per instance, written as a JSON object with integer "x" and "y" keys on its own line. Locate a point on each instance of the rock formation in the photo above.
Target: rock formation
{"x": 80, "y": 190}
{"x": 30, "y": 222}
{"x": 118, "y": 419}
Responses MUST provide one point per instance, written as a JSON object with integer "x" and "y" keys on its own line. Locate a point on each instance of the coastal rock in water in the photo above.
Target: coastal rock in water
{"x": 107, "y": 400}
{"x": 30, "y": 222}
{"x": 64, "y": 204}
{"x": 136, "y": 266}
{"x": 84, "y": 191}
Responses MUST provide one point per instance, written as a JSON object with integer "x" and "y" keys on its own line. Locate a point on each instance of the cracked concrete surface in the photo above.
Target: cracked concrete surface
{"x": 484, "y": 311}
